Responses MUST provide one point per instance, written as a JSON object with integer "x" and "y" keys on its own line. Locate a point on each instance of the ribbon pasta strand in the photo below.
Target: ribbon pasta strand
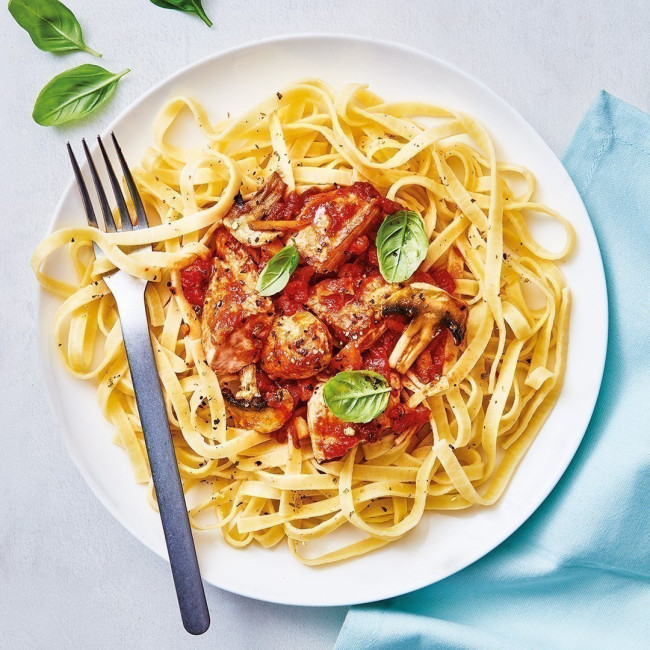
{"x": 486, "y": 409}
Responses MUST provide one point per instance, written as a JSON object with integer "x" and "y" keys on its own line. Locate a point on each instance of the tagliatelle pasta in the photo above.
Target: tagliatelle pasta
{"x": 485, "y": 410}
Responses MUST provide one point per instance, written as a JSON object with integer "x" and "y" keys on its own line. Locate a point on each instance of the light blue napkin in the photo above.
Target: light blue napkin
{"x": 577, "y": 574}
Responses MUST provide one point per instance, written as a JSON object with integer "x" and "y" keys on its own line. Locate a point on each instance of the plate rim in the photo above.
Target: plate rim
{"x": 46, "y": 358}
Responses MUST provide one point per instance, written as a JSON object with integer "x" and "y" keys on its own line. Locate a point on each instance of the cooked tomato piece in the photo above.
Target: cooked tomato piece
{"x": 403, "y": 416}
{"x": 444, "y": 280}
{"x": 294, "y": 296}
{"x": 301, "y": 389}
{"x": 396, "y": 323}
{"x": 373, "y": 260}
{"x": 347, "y": 358}
{"x": 359, "y": 245}
{"x": 353, "y": 271}
{"x": 376, "y": 357}
{"x": 429, "y": 364}
{"x": 195, "y": 278}
{"x": 438, "y": 277}
{"x": 390, "y": 207}
{"x": 265, "y": 384}
{"x": 288, "y": 209}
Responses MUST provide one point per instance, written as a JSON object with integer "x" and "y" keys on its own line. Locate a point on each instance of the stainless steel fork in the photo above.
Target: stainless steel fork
{"x": 128, "y": 292}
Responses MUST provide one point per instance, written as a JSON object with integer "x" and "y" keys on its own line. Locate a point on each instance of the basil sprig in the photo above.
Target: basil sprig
{"x": 188, "y": 6}
{"x": 277, "y": 271}
{"x": 356, "y": 395}
{"x": 75, "y": 93}
{"x": 50, "y": 24}
{"x": 401, "y": 245}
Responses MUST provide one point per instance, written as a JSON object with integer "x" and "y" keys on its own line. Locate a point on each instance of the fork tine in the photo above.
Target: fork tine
{"x": 130, "y": 183}
{"x": 83, "y": 190}
{"x": 122, "y": 208}
{"x": 103, "y": 201}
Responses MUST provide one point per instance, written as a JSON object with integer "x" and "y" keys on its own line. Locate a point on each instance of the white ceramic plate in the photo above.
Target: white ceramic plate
{"x": 442, "y": 543}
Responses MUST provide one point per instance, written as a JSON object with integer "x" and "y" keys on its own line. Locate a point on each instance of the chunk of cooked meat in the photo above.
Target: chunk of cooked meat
{"x": 236, "y": 319}
{"x": 335, "y": 303}
{"x": 331, "y": 437}
{"x": 264, "y": 414}
{"x": 256, "y": 208}
{"x": 375, "y": 291}
{"x": 337, "y": 219}
{"x": 298, "y": 346}
{"x": 430, "y": 309}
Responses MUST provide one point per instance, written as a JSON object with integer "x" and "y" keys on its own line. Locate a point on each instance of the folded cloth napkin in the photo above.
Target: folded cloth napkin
{"x": 577, "y": 574}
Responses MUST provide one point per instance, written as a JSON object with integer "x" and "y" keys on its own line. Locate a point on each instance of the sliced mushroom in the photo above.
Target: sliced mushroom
{"x": 430, "y": 309}
{"x": 255, "y": 209}
{"x": 262, "y": 414}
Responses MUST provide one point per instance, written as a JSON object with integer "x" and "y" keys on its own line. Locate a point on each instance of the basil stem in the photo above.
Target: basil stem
{"x": 188, "y": 6}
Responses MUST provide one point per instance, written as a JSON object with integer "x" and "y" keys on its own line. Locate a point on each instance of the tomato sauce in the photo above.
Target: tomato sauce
{"x": 403, "y": 417}
{"x": 265, "y": 384}
{"x": 336, "y": 290}
{"x": 359, "y": 245}
{"x": 444, "y": 280}
{"x": 334, "y": 204}
{"x": 301, "y": 389}
{"x": 340, "y": 205}
{"x": 195, "y": 279}
{"x": 292, "y": 298}
{"x": 428, "y": 366}
{"x": 439, "y": 277}
{"x": 288, "y": 209}
{"x": 334, "y": 440}
{"x": 347, "y": 358}
{"x": 376, "y": 358}
{"x": 373, "y": 260}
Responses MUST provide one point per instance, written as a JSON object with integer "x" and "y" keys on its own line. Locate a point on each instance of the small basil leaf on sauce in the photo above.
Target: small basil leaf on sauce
{"x": 401, "y": 245}
{"x": 50, "y": 24}
{"x": 75, "y": 93}
{"x": 188, "y": 6}
{"x": 277, "y": 271}
{"x": 356, "y": 395}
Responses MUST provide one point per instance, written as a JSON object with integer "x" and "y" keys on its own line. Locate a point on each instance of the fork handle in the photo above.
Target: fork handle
{"x": 164, "y": 468}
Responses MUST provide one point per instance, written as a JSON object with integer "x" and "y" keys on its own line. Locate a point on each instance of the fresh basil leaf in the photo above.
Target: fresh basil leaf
{"x": 356, "y": 395}
{"x": 277, "y": 271}
{"x": 188, "y": 6}
{"x": 50, "y": 24}
{"x": 401, "y": 245}
{"x": 75, "y": 93}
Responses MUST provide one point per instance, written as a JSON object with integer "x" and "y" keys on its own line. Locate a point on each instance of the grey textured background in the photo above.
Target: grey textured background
{"x": 71, "y": 576}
